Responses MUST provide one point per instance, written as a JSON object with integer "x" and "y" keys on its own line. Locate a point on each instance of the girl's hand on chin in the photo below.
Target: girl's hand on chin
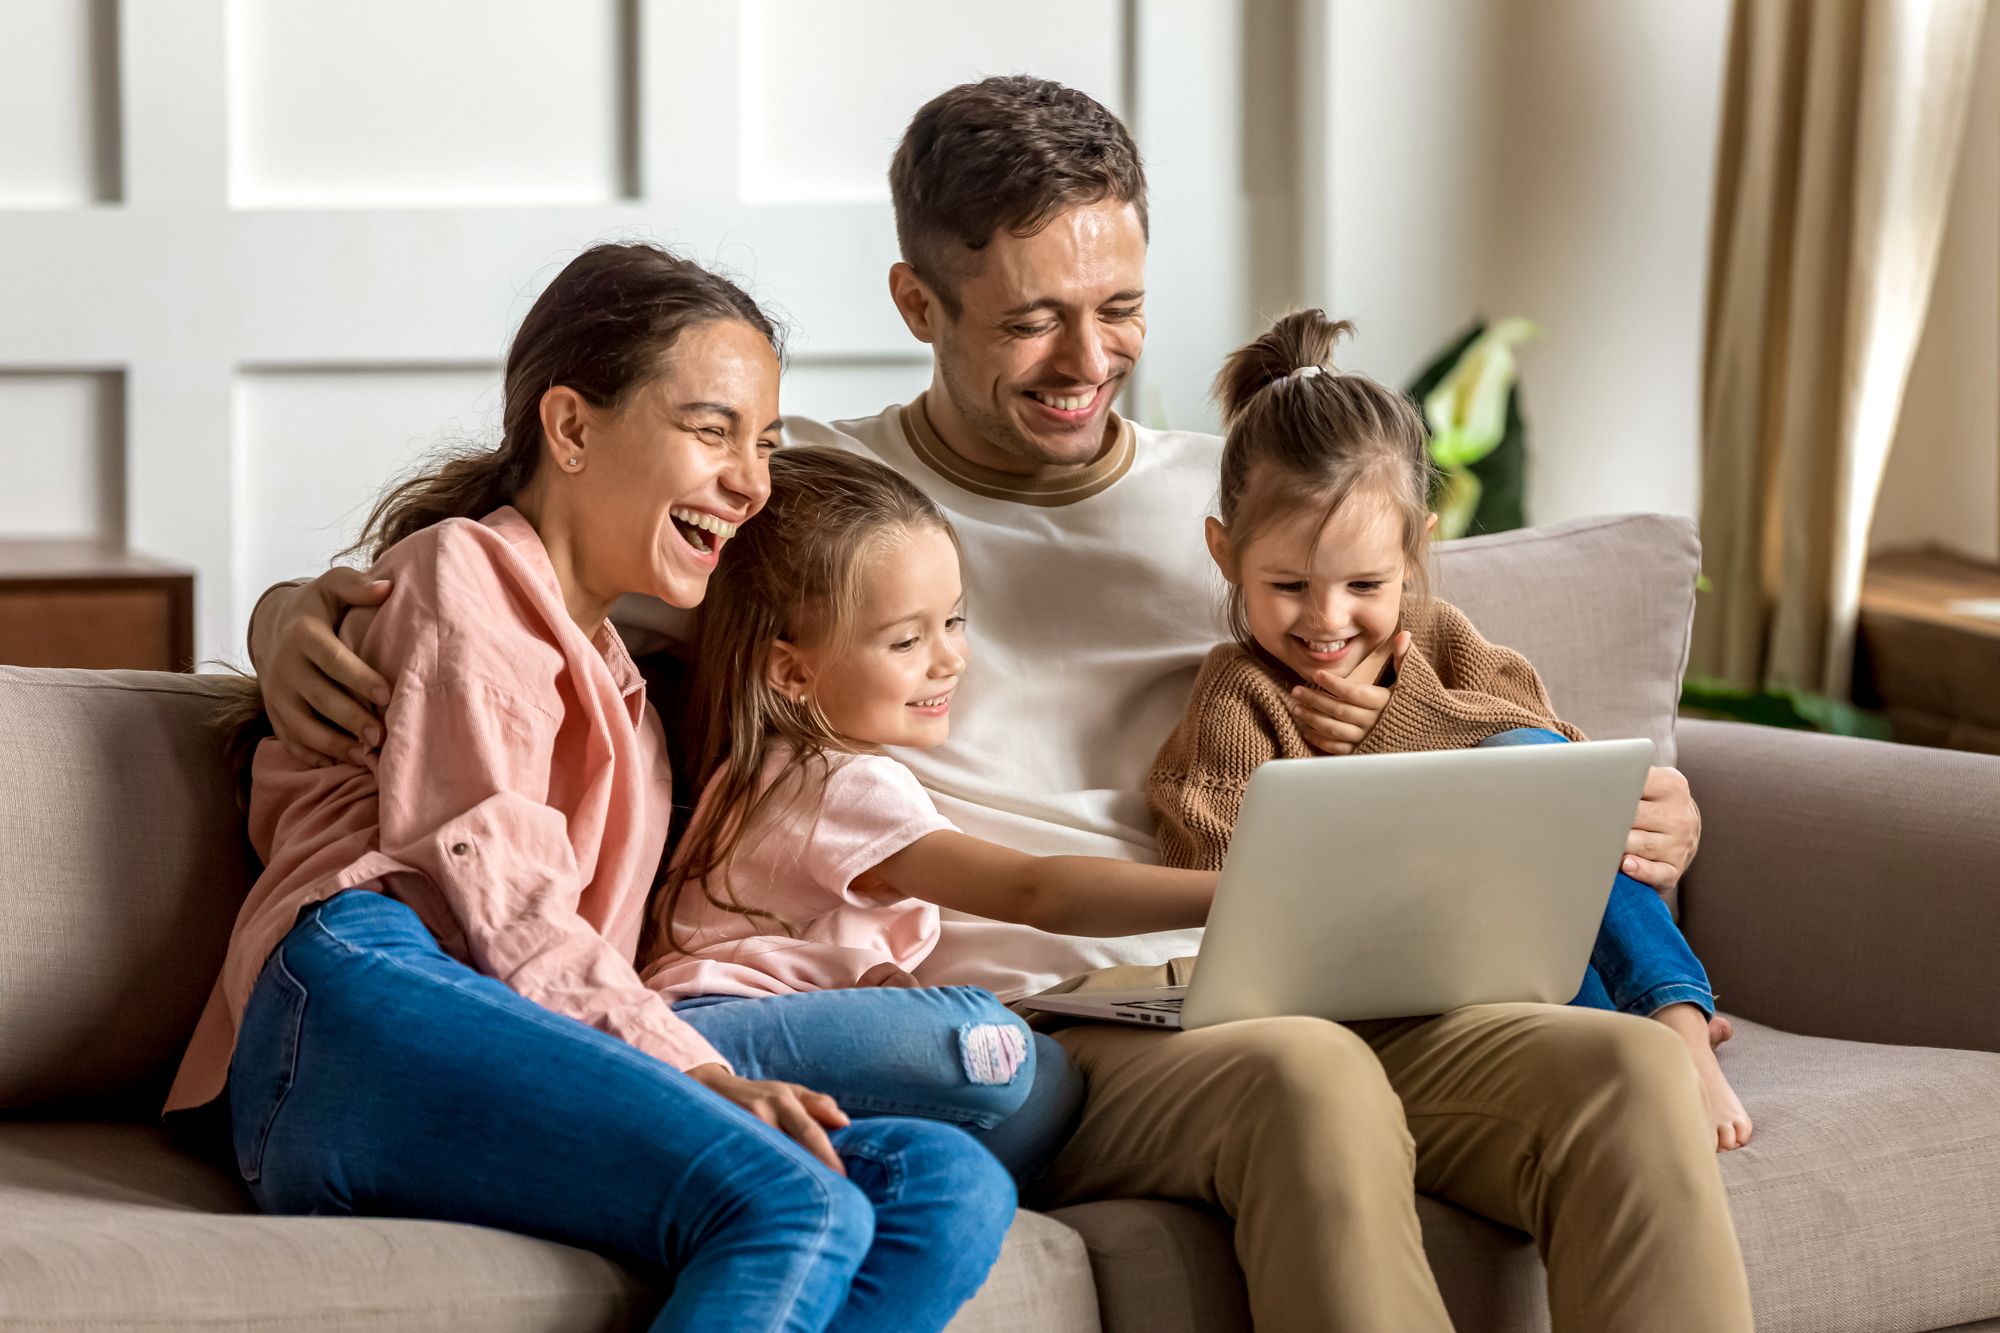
{"x": 1334, "y": 718}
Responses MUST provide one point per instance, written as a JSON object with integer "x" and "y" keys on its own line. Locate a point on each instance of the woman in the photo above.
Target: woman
{"x": 429, "y": 1007}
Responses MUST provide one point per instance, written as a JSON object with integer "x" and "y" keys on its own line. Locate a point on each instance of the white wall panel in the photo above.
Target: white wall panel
{"x": 309, "y": 191}
{"x": 1554, "y": 160}
{"x": 833, "y": 388}
{"x": 62, "y": 454}
{"x": 386, "y": 102}
{"x": 316, "y": 447}
{"x": 827, "y": 89}
{"x": 58, "y": 103}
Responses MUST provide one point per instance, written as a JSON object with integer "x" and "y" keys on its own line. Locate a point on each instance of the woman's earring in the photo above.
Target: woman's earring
{"x": 573, "y": 461}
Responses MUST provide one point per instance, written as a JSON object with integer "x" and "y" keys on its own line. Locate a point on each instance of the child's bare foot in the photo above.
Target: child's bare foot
{"x": 1725, "y": 1109}
{"x": 1720, "y": 1030}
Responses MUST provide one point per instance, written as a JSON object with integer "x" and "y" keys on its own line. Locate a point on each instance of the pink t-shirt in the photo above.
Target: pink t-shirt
{"x": 800, "y": 863}
{"x": 519, "y": 803}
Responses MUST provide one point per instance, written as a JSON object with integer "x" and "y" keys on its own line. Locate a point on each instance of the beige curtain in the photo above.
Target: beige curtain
{"x": 1840, "y": 134}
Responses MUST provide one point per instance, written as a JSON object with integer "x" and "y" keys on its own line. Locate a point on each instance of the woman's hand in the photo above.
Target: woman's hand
{"x": 800, "y": 1114}
{"x": 1333, "y": 718}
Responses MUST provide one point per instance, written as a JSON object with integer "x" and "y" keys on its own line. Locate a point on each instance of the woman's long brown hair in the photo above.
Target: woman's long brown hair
{"x": 795, "y": 574}
{"x": 603, "y": 327}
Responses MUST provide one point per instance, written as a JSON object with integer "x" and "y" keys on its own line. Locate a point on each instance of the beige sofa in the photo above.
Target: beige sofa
{"x": 1847, "y": 902}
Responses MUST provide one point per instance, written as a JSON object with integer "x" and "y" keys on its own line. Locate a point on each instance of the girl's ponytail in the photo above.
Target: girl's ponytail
{"x": 1300, "y": 432}
{"x": 1296, "y": 348}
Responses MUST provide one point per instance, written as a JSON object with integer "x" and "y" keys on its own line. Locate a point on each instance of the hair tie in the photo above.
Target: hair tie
{"x": 1305, "y": 372}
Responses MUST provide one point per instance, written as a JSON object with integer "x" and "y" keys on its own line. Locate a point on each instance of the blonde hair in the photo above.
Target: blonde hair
{"x": 1298, "y": 432}
{"x": 795, "y": 574}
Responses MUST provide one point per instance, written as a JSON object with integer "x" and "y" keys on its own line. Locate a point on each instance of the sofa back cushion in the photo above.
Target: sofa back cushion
{"x": 1601, "y": 606}
{"x": 122, "y": 863}
{"x": 123, "y": 859}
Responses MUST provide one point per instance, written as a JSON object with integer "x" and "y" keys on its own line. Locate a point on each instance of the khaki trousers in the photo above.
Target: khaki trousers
{"x": 1580, "y": 1127}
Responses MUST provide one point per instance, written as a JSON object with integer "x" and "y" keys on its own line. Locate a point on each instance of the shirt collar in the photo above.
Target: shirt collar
{"x": 521, "y": 535}
{"x": 1054, "y": 487}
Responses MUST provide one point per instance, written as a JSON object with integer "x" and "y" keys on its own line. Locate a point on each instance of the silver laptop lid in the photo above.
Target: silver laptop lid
{"x": 1385, "y": 886}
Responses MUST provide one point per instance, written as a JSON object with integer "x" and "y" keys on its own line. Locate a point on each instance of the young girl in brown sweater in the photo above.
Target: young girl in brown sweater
{"x": 1340, "y": 649}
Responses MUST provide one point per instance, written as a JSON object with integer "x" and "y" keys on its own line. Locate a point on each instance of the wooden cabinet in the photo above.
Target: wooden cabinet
{"x": 1929, "y": 648}
{"x": 67, "y": 603}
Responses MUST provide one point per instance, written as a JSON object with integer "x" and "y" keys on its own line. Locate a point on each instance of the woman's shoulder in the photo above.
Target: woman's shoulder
{"x": 464, "y": 553}
{"x": 471, "y": 598}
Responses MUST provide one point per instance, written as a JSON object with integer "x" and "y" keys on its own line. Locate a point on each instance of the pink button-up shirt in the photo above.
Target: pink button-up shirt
{"x": 519, "y": 803}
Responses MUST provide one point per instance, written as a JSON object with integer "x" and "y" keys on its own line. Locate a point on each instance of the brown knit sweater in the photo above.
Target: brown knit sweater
{"x": 1454, "y": 689}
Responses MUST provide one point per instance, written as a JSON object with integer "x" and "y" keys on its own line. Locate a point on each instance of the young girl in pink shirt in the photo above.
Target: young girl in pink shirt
{"x": 814, "y": 865}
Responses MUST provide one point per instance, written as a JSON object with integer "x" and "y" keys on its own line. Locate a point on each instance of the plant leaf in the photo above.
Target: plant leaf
{"x": 1457, "y": 501}
{"x": 1467, "y": 409}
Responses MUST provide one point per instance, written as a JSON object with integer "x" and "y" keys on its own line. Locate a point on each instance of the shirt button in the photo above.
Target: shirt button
{"x": 459, "y": 849}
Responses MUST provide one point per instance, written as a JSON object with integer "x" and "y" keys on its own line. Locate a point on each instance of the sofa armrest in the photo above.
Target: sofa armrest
{"x": 1846, "y": 888}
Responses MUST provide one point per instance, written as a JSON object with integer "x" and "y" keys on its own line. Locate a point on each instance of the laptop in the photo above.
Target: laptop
{"x": 1387, "y": 886}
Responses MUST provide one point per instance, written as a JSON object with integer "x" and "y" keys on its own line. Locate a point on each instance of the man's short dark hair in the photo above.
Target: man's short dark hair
{"x": 1007, "y": 152}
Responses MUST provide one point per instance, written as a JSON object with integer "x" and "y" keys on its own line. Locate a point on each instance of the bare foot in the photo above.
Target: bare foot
{"x": 1720, "y": 1030}
{"x": 1725, "y": 1109}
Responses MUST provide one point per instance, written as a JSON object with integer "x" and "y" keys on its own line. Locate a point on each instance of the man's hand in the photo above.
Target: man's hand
{"x": 317, "y": 691}
{"x": 1666, "y": 832}
{"x": 1333, "y": 718}
{"x": 798, "y": 1113}
{"x": 888, "y": 974}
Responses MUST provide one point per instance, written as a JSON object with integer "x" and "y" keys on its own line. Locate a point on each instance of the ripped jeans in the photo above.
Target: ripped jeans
{"x": 1641, "y": 963}
{"x": 950, "y": 1053}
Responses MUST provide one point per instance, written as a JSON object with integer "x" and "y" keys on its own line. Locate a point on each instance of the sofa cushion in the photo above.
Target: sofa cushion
{"x": 109, "y": 1227}
{"x": 1601, "y": 606}
{"x": 1868, "y": 1199}
{"x": 122, "y": 862}
{"x": 1161, "y": 1267}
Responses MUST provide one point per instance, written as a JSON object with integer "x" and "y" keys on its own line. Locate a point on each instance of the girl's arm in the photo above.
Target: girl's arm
{"x": 1068, "y": 895}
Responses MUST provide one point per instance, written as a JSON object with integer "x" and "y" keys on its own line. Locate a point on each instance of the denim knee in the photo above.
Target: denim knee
{"x": 996, "y": 1055}
{"x": 940, "y": 1169}
{"x": 810, "y": 1211}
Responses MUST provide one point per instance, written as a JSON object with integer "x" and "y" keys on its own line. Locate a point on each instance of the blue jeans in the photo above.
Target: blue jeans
{"x": 891, "y": 1051}
{"x": 1641, "y": 963}
{"x": 374, "y": 1075}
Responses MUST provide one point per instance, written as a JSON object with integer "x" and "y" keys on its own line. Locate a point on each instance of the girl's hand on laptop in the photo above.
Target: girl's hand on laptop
{"x": 1334, "y": 717}
{"x": 800, "y": 1114}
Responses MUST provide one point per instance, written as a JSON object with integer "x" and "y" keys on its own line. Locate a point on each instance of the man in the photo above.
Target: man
{"x": 1021, "y": 212}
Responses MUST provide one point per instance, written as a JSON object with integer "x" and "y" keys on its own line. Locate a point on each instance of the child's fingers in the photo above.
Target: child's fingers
{"x": 1353, "y": 690}
{"x": 1323, "y": 733}
{"x": 1313, "y": 703}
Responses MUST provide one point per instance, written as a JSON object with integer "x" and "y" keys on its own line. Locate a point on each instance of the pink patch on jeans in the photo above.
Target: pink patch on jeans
{"x": 992, "y": 1052}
